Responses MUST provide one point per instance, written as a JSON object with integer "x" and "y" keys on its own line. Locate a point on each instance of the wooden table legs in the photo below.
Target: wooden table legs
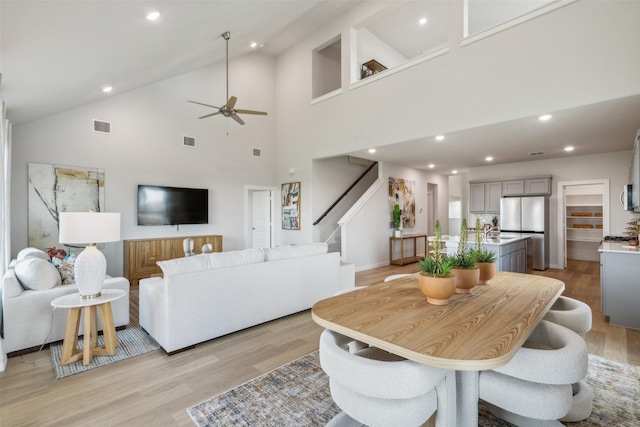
{"x": 71, "y": 352}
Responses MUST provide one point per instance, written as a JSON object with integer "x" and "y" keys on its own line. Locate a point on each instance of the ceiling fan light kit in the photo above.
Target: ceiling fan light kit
{"x": 229, "y": 110}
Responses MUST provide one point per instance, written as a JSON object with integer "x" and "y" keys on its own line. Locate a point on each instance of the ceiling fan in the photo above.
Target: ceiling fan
{"x": 229, "y": 110}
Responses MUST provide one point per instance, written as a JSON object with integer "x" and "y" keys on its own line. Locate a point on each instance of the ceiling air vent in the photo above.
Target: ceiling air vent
{"x": 257, "y": 152}
{"x": 101, "y": 126}
{"x": 536, "y": 153}
{"x": 189, "y": 141}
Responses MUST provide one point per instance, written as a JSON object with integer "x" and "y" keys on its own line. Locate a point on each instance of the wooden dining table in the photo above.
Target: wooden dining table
{"x": 474, "y": 332}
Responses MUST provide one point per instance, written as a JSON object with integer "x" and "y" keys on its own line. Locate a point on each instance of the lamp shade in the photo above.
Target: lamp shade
{"x": 89, "y": 227}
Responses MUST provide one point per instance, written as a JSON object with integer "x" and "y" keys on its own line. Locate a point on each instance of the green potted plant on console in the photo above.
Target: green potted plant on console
{"x": 436, "y": 279}
{"x": 397, "y": 220}
{"x": 485, "y": 259}
{"x": 465, "y": 270}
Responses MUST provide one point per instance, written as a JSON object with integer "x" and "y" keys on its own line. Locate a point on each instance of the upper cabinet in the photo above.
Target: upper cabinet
{"x": 485, "y": 197}
{"x": 540, "y": 186}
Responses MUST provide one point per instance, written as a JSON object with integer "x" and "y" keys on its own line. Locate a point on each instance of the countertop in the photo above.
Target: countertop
{"x": 452, "y": 241}
{"x": 620, "y": 247}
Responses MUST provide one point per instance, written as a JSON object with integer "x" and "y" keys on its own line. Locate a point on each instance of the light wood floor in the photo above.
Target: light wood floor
{"x": 155, "y": 389}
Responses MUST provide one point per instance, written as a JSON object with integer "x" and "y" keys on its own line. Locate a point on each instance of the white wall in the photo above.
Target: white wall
{"x": 611, "y": 166}
{"x": 580, "y": 54}
{"x": 367, "y": 234}
{"x": 145, "y": 147}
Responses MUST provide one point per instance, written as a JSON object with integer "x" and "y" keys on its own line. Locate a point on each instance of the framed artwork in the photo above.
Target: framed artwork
{"x": 291, "y": 206}
{"x": 56, "y": 188}
{"x": 401, "y": 192}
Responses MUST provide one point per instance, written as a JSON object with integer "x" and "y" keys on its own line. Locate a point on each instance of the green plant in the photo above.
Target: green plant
{"x": 480, "y": 253}
{"x": 397, "y": 216}
{"x": 464, "y": 258}
{"x": 437, "y": 264}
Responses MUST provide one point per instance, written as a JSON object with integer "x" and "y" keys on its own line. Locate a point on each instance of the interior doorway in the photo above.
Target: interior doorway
{"x": 259, "y": 217}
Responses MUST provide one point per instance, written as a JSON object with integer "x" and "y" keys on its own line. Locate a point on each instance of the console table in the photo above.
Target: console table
{"x": 406, "y": 259}
{"x": 141, "y": 255}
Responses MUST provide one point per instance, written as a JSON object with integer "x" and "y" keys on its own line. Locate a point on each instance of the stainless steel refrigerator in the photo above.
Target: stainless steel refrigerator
{"x": 529, "y": 215}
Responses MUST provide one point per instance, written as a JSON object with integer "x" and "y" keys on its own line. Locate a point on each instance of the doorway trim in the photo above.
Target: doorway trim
{"x": 248, "y": 237}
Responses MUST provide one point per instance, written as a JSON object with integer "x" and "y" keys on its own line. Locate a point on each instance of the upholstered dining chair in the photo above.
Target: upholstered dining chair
{"x": 543, "y": 383}
{"x": 377, "y": 388}
{"x": 570, "y": 313}
{"x": 395, "y": 277}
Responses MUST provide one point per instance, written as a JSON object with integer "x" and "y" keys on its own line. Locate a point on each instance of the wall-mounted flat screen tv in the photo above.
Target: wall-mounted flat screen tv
{"x": 159, "y": 205}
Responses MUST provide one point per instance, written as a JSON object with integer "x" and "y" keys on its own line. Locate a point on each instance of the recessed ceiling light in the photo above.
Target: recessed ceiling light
{"x": 488, "y": 158}
{"x": 431, "y": 165}
{"x": 152, "y": 16}
{"x": 568, "y": 148}
{"x": 545, "y": 117}
{"x": 423, "y": 20}
{"x": 253, "y": 45}
{"x": 372, "y": 150}
{"x": 439, "y": 137}
{"x": 107, "y": 89}
{"x": 454, "y": 171}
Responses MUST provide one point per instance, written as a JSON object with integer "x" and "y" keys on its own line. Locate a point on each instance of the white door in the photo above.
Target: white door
{"x": 261, "y": 217}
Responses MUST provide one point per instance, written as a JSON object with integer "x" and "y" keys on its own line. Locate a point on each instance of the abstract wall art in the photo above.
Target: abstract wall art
{"x": 291, "y": 206}
{"x": 401, "y": 192}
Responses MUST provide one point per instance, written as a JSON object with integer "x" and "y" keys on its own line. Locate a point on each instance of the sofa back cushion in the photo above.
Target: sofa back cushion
{"x": 233, "y": 258}
{"x": 32, "y": 252}
{"x": 293, "y": 251}
{"x": 184, "y": 265}
{"x": 210, "y": 261}
{"x": 37, "y": 274}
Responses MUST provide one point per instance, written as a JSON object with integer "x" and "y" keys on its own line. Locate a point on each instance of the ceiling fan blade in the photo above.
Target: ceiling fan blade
{"x": 231, "y": 103}
{"x": 209, "y": 115}
{"x": 206, "y": 105}
{"x": 261, "y": 113}
{"x": 237, "y": 119}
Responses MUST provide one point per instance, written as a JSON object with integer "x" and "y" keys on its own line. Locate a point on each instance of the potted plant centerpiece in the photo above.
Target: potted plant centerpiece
{"x": 436, "y": 279}
{"x": 463, "y": 263}
{"x": 633, "y": 230}
{"x": 485, "y": 259}
{"x": 397, "y": 220}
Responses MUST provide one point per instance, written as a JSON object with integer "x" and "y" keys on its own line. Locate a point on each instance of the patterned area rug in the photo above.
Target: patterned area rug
{"x": 132, "y": 341}
{"x": 298, "y": 394}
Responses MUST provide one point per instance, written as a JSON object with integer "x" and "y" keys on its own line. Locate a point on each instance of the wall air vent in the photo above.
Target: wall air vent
{"x": 189, "y": 141}
{"x": 536, "y": 153}
{"x": 101, "y": 126}
{"x": 257, "y": 152}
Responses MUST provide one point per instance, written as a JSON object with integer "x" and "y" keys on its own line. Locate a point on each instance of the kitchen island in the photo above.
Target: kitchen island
{"x": 510, "y": 249}
{"x": 620, "y": 283}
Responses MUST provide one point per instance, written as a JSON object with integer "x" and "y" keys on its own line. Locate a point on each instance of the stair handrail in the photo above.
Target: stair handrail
{"x": 343, "y": 195}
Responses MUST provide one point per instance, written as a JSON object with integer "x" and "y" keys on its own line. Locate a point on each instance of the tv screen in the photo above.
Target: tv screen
{"x": 159, "y": 205}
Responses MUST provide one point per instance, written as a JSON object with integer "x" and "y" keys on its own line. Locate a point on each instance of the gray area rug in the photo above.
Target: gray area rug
{"x": 132, "y": 341}
{"x": 298, "y": 394}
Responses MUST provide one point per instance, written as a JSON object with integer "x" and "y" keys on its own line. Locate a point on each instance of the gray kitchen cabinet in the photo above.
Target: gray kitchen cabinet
{"x": 509, "y": 256}
{"x": 539, "y": 186}
{"x": 514, "y": 187}
{"x": 485, "y": 197}
{"x": 619, "y": 287}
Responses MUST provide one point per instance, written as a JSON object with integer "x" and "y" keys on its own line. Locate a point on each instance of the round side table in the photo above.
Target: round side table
{"x": 75, "y": 303}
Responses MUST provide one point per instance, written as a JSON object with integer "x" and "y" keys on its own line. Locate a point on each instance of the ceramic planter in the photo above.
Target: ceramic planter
{"x": 438, "y": 290}
{"x": 487, "y": 271}
{"x": 465, "y": 279}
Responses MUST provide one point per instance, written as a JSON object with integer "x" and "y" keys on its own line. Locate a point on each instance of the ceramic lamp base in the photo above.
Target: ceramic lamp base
{"x": 90, "y": 268}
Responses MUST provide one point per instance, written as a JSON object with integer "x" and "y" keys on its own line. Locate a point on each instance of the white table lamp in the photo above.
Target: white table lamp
{"x": 89, "y": 228}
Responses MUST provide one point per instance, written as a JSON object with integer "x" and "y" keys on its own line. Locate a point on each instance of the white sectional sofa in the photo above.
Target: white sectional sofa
{"x": 29, "y": 320}
{"x": 209, "y": 295}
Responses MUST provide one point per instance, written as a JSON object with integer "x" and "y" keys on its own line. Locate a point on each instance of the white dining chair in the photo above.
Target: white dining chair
{"x": 377, "y": 388}
{"x": 543, "y": 383}
{"x": 570, "y": 313}
{"x": 395, "y": 277}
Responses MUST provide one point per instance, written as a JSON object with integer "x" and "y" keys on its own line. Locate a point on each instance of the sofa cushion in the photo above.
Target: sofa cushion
{"x": 32, "y": 252}
{"x": 233, "y": 258}
{"x": 184, "y": 265}
{"x": 37, "y": 274}
{"x": 293, "y": 251}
